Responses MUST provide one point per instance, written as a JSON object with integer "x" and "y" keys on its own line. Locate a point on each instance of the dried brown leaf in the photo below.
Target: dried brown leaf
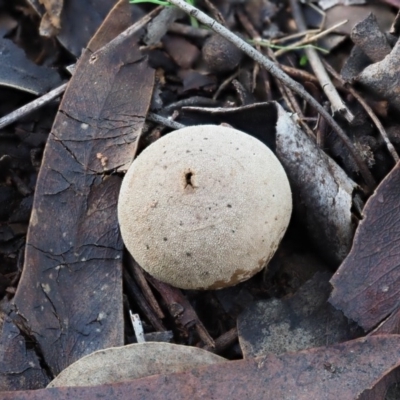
{"x": 382, "y": 77}
{"x": 70, "y": 293}
{"x": 343, "y": 371}
{"x": 51, "y": 20}
{"x": 366, "y": 286}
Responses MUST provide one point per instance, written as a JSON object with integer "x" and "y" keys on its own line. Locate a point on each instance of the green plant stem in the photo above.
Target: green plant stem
{"x": 265, "y": 43}
{"x": 158, "y": 2}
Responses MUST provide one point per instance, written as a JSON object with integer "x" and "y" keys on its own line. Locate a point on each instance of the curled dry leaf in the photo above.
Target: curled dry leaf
{"x": 321, "y": 187}
{"x": 369, "y": 37}
{"x": 382, "y": 77}
{"x": 366, "y": 286}
{"x": 158, "y": 27}
{"x": 134, "y": 361}
{"x": 51, "y": 22}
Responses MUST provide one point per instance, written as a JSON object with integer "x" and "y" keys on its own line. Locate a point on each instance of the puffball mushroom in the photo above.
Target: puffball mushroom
{"x": 220, "y": 54}
{"x": 204, "y": 207}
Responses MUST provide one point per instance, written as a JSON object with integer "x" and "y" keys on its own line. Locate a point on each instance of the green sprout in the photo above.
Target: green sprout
{"x": 193, "y": 21}
{"x": 303, "y": 61}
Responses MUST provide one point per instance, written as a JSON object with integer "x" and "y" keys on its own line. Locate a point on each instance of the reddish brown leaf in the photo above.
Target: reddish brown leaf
{"x": 342, "y": 372}
{"x": 366, "y": 286}
{"x": 391, "y": 325}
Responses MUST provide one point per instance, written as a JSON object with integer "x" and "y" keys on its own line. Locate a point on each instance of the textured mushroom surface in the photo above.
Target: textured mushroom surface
{"x": 204, "y": 207}
{"x": 117, "y": 364}
{"x": 220, "y": 54}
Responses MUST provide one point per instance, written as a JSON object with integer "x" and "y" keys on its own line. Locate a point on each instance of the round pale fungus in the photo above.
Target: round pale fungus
{"x": 204, "y": 207}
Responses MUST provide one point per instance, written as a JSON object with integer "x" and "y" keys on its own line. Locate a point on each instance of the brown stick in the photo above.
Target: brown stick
{"x": 224, "y": 341}
{"x": 32, "y": 106}
{"x": 180, "y": 309}
{"x": 337, "y": 104}
{"x": 134, "y": 291}
{"x": 140, "y": 278}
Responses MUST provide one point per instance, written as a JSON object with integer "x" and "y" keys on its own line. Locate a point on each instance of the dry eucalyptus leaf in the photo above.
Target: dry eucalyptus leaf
{"x": 134, "y": 361}
{"x": 366, "y": 286}
{"x": 320, "y": 187}
{"x": 70, "y": 292}
{"x": 369, "y": 37}
{"x": 343, "y": 371}
{"x": 382, "y": 78}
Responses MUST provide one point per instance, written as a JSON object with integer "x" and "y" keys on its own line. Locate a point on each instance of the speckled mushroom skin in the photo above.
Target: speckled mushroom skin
{"x": 204, "y": 207}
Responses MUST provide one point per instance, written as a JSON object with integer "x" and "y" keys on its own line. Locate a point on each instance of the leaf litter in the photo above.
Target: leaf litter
{"x": 69, "y": 300}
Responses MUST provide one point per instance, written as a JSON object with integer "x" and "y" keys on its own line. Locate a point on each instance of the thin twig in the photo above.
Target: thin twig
{"x": 32, "y": 106}
{"x": 279, "y": 74}
{"x": 331, "y": 93}
{"x": 181, "y": 309}
{"x": 164, "y": 121}
{"x": 294, "y": 36}
{"x": 140, "y": 278}
{"x": 299, "y": 74}
{"x": 134, "y": 291}
{"x": 225, "y": 84}
{"x": 367, "y": 109}
{"x": 46, "y": 98}
{"x": 309, "y": 39}
{"x": 224, "y": 341}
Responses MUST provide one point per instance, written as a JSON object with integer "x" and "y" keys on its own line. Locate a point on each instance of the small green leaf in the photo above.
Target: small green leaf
{"x": 303, "y": 61}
